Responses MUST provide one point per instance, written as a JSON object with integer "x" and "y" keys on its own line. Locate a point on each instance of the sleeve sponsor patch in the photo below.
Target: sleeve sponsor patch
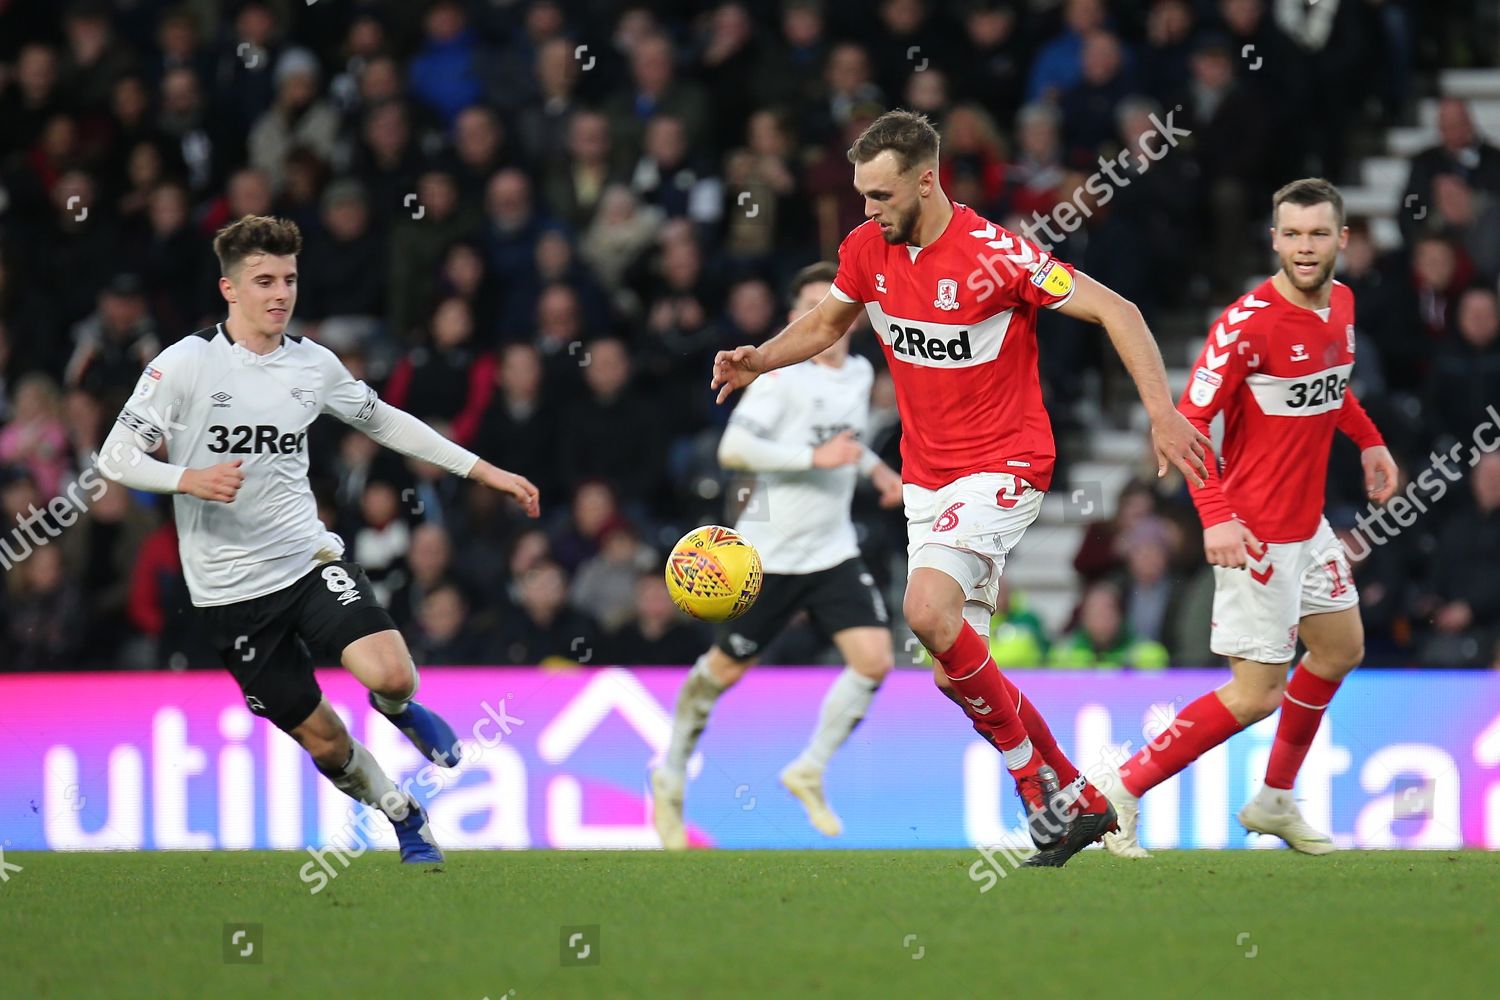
{"x": 1053, "y": 279}
{"x": 150, "y": 379}
{"x": 147, "y": 434}
{"x": 1205, "y": 386}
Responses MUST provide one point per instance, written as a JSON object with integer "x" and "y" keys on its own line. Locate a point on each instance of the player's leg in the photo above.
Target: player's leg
{"x": 1076, "y": 791}
{"x": 713, "y": 673}
{"x": 1254, "y": 626}
{"x": 339, "y": 614}
{"x": 846, "y": 606}
{"x": 716, "y": 671}
{"x": 353, "y": 770}
{"x": 1335, "y": 638}
{"x": 383, "y": 663}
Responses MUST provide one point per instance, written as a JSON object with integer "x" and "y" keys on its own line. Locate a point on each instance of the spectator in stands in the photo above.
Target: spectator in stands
{"x": 34, "y": 99}
{"x": 44, "y": 615}
{"x": 429, "y": 561}
{"x": 1039, "y": 171}
{"x": 343, "y": 264}
{"x": 35, "y": 438}
{"x": 99, "y": 551}
{"x": 543, "y": 124}
{"x": 1460, "y": 150}
{"x": 1059, "y": 64}
{"x": 175, "y": 261}
{"x": 621, "y": 232}
{"x": 449, "y": 378}
{"x": 445, "y": 73}
{"x": 1089, "y": 105}
{"x": 388, "y": 162}
{"x": 518, "y": 427}
{"x": 653, "y": 90}
{"x": 1465, "y": 377}
{"x": 594, "y": 508}
{"x": 574, "y": 190}
{"x": 443, "y": 634}
{"x": 1102, "y": 551}
{"x": 383, "y": 538}
{"x": 1149, "y": 589}
{"x": 1461, "y": 599}
{"x": 672, "y": 177}
{"x": 612, "y": 432}
{"x": 1383, "y": 309}
{"x": 604, "y": 585}
{"x": 113, "y": 345}
{"x": 1103, "y": 639}
{"x": 205, "y": 146}
{"x": 847, "y": 89}
{"x": 511, "y": 229}
{"x": 1439, "y": 275}
{"x": 1470, "y": 219}
{"x": 974, "y": 158}
{"x": 658, "y": 633}
{"x": 479, "y": 149}
{"x": 793, "y": 69}
{"x": 298, "y": 118}
{"x": 1386, "y": 577}
{"x": 543, "y": 627}
{"x": 1230, "y": 140}
{"x": 1167, "y": 59}
{"x": 419, "y": 240}
{"x": 991, "y": 65}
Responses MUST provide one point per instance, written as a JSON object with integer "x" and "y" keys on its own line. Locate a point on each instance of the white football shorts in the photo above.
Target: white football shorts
{"x": 985, "y": 514}
{"x": 1256, "y": 609}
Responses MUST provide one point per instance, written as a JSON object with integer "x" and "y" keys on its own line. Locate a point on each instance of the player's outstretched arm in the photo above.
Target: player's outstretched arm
{"x": 123, "y": 460}
{"x": 1175, "y": 438}
{"x": 809, "y": 334}
{"x": 518, "y": 486}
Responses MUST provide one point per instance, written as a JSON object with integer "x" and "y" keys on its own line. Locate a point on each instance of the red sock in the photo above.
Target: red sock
{"x": 983, "y": 689}
{"x": 1307, "y": 696}
{"x": 1198, "y": 728}
{"x": 1041, "y": 734}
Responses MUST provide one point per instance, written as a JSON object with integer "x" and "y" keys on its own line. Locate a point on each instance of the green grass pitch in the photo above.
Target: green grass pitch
{"x": 762, "y": 924}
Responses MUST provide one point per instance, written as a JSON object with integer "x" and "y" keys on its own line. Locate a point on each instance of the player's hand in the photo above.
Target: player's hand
{"x": 1230, "y": 544}
{"x": 736, "y": 369}
{"x": 1178, "y": 442}
{"x": 841, "y": 449}
{"x": 888, "y": 484}
{"x": 218, "y": 483}
{"x": 1380, "y": 473}
{"x": 526, "y": 494}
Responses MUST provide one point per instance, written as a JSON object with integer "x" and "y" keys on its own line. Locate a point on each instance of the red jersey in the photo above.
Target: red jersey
{"x": 957, "y": 320}
{"x": 1280, "y": 373}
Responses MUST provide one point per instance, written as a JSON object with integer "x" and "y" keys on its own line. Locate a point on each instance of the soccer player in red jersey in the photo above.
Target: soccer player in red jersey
{"x": 1277, "y": 365}
{"x": 954, "y": 300}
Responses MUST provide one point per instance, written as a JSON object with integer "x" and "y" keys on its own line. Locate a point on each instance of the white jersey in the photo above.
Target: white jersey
{"x": 213, "y": 401}
{"x": 798, "y": 519}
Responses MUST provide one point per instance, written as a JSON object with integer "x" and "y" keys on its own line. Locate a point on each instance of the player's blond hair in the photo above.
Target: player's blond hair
{"x": 907, "y": 134}
{"x": 1309, "y": 191}
{"x": 255, "y": 234}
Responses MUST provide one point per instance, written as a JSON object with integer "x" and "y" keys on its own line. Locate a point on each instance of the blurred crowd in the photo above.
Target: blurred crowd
{"x": 532, "y": 223}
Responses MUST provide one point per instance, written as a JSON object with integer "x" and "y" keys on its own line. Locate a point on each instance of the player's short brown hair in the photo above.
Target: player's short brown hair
{"x": 255, "y": 234}
{"x": 907, "y": 134}
{"x": 1306, "y": 192}
{"x": 812, "y": 274}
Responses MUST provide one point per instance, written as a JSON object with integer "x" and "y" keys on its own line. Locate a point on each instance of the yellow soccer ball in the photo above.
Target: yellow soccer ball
{"x": 713, "y": 574}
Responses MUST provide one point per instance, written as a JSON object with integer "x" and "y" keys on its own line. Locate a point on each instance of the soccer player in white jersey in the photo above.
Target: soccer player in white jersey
{"x": 954, "y": 300}
{"x": 1277, "y": 364}
{"x": 797, "y": 431}
{"x": 232, "y": 405}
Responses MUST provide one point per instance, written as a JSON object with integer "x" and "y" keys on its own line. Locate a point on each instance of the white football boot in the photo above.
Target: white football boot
{"x": 1123, "y": 842}
{"x": 666, "y": 799}
{"x": 806, "y": 784}
{"x": 1274, "y": 812}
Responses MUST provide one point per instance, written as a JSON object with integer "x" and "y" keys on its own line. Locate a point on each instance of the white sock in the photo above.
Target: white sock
{"x": 845, "y": 704}
{"x": 363, "y": 780}
{"x": 394, "y": 706}
{"x": 1019, "y": 755}
{"x": 694, "y": 703}
{"x": 1275, "y": 799}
